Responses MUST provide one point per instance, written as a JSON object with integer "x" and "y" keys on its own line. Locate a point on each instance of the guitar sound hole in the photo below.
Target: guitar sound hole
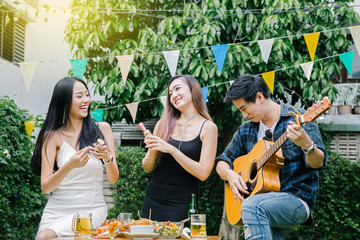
{"x": 253, "y": 171}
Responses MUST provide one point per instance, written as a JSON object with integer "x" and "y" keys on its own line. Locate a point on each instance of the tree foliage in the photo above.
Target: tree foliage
{"x": 100, "y": 30}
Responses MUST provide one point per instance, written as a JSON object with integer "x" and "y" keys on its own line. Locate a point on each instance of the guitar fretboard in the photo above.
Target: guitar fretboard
{"x": 271, "y": 151}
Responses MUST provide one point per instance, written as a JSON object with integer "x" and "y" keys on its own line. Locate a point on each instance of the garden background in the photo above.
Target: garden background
{"x": 101, "y": 31}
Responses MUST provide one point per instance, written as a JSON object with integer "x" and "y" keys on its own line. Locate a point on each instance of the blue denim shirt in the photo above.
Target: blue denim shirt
{"x": 296, "y": 177}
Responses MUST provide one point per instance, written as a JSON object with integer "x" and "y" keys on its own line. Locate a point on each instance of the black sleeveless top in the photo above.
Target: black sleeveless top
{"x": 169, "y": 191}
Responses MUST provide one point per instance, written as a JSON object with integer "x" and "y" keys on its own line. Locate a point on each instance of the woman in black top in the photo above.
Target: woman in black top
{"x": 181, "y": 151}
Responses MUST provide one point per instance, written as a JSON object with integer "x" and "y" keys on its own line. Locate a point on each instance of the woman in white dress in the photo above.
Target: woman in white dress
{"x": 70, "y": 161}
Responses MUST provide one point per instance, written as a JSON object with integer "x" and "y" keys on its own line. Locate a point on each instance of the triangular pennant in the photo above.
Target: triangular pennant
{"x": 163, "y": 100}
{"x": 269, "y": 78}
{"x": 29, "y": 127}
{"x": 307, "y": 68}
{"x": 125, "y": 65}
{"x": 311, "y": 40}
{"x": 78, "y": 66}
{"x": 172, "y": 58}
{"x": 355, "y": 33}
{"x": 220, "y": 52}
{"x": 205, "y": 91}
{"x": 28, "y": 71}
{"x": 347, "y": 59}
{"x": 133, "y": 109}
{"x": 231, "y": 82}
{"x": 98, "y": 115}
{"x": 265, "y": 48}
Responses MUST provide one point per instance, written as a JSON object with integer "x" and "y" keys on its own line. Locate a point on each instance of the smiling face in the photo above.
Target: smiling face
{"x": 179, "y": 94}
{"x": 251, "y": 110}
{"x": 80, "y": 100}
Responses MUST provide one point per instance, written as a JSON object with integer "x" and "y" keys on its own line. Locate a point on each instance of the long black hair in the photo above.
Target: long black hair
{"x": 57, "y": 117}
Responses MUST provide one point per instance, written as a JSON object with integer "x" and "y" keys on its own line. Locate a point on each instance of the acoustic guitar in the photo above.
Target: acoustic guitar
{"x": 260, "y": 168}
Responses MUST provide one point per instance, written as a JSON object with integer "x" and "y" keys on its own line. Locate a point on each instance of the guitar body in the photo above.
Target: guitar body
{"x": 258, "y": 179}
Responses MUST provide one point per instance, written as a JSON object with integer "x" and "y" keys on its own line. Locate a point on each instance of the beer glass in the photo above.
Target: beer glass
{"x": 198, "y": 226}
{"x": 81, "y": 224}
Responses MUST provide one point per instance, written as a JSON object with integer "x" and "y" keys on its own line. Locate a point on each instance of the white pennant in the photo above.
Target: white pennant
{"x": 307, "y": 68}
{"x": 27, "y": 71}
{"x": 163, "y": 100}
{"x": 355, "y": 34}
{"x": 265, "y": 48}
{"x": 125, "y": 65}
{"x": 172, "y": 58}
{"x": 231, "y": 82}
{"x": 133, "y": 109}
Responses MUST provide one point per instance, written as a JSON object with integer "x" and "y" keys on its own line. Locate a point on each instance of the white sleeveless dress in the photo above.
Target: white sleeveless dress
{"x": 81, "y": 191}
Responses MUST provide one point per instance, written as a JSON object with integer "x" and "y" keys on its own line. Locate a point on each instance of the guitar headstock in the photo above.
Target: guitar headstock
{"x": 313, "y": 112}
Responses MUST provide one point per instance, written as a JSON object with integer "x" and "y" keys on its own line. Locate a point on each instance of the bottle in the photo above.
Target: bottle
{"x": 192, "y": 208}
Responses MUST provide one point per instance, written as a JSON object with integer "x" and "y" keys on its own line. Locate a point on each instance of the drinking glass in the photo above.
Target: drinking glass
{"x": 81, "y": 224}
{"x": 198, "y": 226}
{"x": 125, "y": 217}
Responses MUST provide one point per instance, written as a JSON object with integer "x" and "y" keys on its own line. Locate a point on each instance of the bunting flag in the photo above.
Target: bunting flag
{"x": 205, "y": 91}
{"x": 269, "y": 78}
{"x": 133, "y": 109}
{"x": 355, "y": 33}
{"x": 163, "y": 100}
{"x": 220, "y": 52}
{"x": 311, "y": 40}
{"x": 28, "y": 71}
{"x": 125, "y": 65}
{"x": 231, "y": 82}
{"x": 265, "y": 48}
{"x": 172, "y": 58}
{"x": 347, "y": 59}
{"x": 98, "y": 115}
{"x": 29, "y": 127}
{"x": 78, "y": 67}
{"x": 307, "y": 68}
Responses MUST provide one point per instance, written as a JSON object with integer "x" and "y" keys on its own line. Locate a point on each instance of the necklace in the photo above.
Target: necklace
{"x": 185, "y": 122}
{"x": 277, "y": 113}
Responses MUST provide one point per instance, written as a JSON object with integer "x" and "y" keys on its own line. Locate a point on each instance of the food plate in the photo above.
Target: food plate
{"x": 140, "y": 235}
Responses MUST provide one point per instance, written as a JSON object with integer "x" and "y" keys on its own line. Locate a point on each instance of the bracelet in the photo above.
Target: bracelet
{"x": 110, "y": 160}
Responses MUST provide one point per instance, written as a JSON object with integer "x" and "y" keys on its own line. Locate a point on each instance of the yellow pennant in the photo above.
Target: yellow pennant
{"x": 269, "y": 78}
{"x": 133, "y": 109}
{"x": 311, "y": 40}
{"x": 29, "y": 127}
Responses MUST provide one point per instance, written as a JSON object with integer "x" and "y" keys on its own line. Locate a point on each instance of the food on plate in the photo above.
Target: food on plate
{"x": 142, "y": 221}
{"x": 169, "y": 229}
{"x": 109, "y": 226}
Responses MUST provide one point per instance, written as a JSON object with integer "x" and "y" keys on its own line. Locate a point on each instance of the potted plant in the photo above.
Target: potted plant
{"x": 345, "y": 99}
{"x": 357, "y": 101}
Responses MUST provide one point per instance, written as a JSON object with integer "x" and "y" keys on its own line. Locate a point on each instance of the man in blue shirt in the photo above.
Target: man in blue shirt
{"x": 272, "y": 215}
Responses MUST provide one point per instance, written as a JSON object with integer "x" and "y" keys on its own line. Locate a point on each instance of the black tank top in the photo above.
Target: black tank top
{"x": 169, "y": 171}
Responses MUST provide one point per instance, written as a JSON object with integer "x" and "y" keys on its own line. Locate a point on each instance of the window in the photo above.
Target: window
{"x": 12, "y": 38}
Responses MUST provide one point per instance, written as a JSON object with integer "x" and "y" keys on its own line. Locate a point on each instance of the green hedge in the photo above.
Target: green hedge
{"x": 21, "y": 200}
{"x": 132, "y": 183}
{"x": 337, "y": 209}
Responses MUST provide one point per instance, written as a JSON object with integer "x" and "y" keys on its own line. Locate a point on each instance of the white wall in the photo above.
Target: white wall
{"x": 44, "y": 43}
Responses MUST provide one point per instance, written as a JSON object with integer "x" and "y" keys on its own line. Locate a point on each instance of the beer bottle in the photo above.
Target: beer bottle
{"x": 192, "y": 208}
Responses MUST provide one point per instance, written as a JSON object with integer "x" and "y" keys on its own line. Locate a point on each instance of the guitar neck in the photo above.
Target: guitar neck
{"x": 272, "y": 150}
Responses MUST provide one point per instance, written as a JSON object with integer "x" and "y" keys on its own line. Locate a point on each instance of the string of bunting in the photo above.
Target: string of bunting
{"x": 262, "y": 43}
{"x": 269, "y": 78}
{"x": 171, "y": 57}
